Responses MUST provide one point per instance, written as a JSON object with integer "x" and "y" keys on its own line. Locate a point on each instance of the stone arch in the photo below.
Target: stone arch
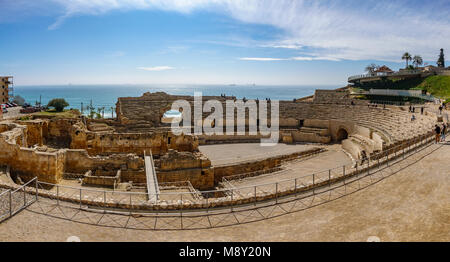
{"x": 341, "y": 134}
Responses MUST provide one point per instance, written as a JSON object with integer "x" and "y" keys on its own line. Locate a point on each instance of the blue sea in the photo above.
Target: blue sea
{"x": 106, "y": 95}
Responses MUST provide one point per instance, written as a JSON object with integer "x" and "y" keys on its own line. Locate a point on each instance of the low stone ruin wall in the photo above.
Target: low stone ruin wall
{"x": 108, "y": 181}
{"x": 26, "y": 162}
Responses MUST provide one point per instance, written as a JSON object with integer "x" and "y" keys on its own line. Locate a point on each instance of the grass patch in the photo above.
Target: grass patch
{"x": 438, "y": 86}
{"x": 69, "y": 113}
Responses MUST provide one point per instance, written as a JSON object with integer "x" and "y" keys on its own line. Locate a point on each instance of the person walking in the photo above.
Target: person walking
{"x": 443, "y": 131}
{"x": 421, "y": 110}
{"x": 437, "y": 131}
{"x": 363, "y": 157}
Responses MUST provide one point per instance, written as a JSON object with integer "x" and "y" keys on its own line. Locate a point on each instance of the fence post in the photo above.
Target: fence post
{"x": 36, "y": 189}
{"x": 24, "y": 197}
{"x": 255, "y": 196}
{"x": 181, "y": 210}
{"x": 10, "y": 203}
{"x": 404, "y": 152}
{"x": 57, "y": 194}
{"x": 80, "y": 198}
{"x": 276, "y": 193}
{"x": 314, "y": 184}
{"x": 387, "y": 159}
{"x": 232, "y": 193}
{"x": 295, "y": 186}
{"x": 131, "y": 203}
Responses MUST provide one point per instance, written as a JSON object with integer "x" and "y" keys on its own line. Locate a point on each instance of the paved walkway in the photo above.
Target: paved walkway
{"x": 13, "y": 112}
{"x": 302, "y": 170}
{"x": 410, "y": 205}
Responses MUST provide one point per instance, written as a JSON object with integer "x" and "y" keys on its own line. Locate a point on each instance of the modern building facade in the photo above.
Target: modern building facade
{"x": 6, "y": 88}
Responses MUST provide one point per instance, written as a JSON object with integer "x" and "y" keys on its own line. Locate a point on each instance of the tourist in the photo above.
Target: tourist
{"x": 410, "y": 109}
{"x": 437, "y": 131}
{"x": 413, "y": 117}
{"x": 443, "y": 131}
{"x": 421, "y": 110}
{"x": 440, "y": 110}
{"x": 363, "y": 157}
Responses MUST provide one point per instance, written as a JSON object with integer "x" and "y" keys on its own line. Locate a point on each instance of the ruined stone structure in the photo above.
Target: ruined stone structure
{"x": 108, "y": 153}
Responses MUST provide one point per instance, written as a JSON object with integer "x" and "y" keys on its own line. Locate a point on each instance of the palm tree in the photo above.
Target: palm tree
{"x": 417, "y": 60}
{"x": 371, "y": 68}
{"x": 406, "y": 56}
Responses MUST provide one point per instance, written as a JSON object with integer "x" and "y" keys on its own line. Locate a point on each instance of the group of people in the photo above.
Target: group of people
{"x": 412, "y": 109}
{"x": 440, "y": 132}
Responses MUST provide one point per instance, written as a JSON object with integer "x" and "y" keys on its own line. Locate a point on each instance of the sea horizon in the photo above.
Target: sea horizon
{"x": 75, "y": 95}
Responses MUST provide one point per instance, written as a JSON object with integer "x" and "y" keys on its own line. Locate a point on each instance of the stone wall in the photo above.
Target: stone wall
{"x": 108, "y": 181}
{"x": 37, "y": 131}
{"x": 103, "y": 143}
{"x": 79, "y": 161}
{"x": 26, "y": 162}
{"x": 185, "y": 166}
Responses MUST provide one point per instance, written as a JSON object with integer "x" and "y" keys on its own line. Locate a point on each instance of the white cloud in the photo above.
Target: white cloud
{"x": 341, "y": 29}
{"x": 156, "y": 68}
{"x": 298, "y": 58}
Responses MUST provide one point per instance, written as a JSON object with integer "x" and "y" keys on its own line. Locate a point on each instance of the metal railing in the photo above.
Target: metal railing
{"x": 384, "y": 74}
{"x": 14, "y": 201}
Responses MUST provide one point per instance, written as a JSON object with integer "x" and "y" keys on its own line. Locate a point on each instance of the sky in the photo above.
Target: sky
{"x": 262, "y": 42}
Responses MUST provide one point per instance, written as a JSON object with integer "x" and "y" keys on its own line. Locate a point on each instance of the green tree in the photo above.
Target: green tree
{"x": 417, "y": 61}
{"x": 371, "y": 68}
{"x": 58, "y": 104}
{"x": 406, "y": 56}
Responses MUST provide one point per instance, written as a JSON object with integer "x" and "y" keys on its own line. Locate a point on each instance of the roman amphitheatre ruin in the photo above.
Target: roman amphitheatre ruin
{"x": 118, "y": 179}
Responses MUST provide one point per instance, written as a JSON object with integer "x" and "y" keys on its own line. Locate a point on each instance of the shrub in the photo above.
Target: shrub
{"x": 19, "y": 100}
{"x": 58, "y": 104}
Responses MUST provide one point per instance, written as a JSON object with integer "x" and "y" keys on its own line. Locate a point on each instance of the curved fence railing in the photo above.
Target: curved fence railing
{"x": 397, "y": 93}
{"x": 13, "y": 201}
{"x": 233, "y": 196}
{"x": 383, "y": 74}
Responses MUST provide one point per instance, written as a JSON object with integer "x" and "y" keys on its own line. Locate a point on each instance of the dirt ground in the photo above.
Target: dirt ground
{"x": 412, "y": 205}
{"x": 223, "y": 154}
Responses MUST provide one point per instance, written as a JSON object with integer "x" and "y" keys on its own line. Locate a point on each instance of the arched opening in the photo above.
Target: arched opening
{"x": 342, "y": 134}
{"x": 172, "y": 116}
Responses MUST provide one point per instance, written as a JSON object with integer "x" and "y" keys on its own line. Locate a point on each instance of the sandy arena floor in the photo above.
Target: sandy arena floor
{"x": 232, "y": 153}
